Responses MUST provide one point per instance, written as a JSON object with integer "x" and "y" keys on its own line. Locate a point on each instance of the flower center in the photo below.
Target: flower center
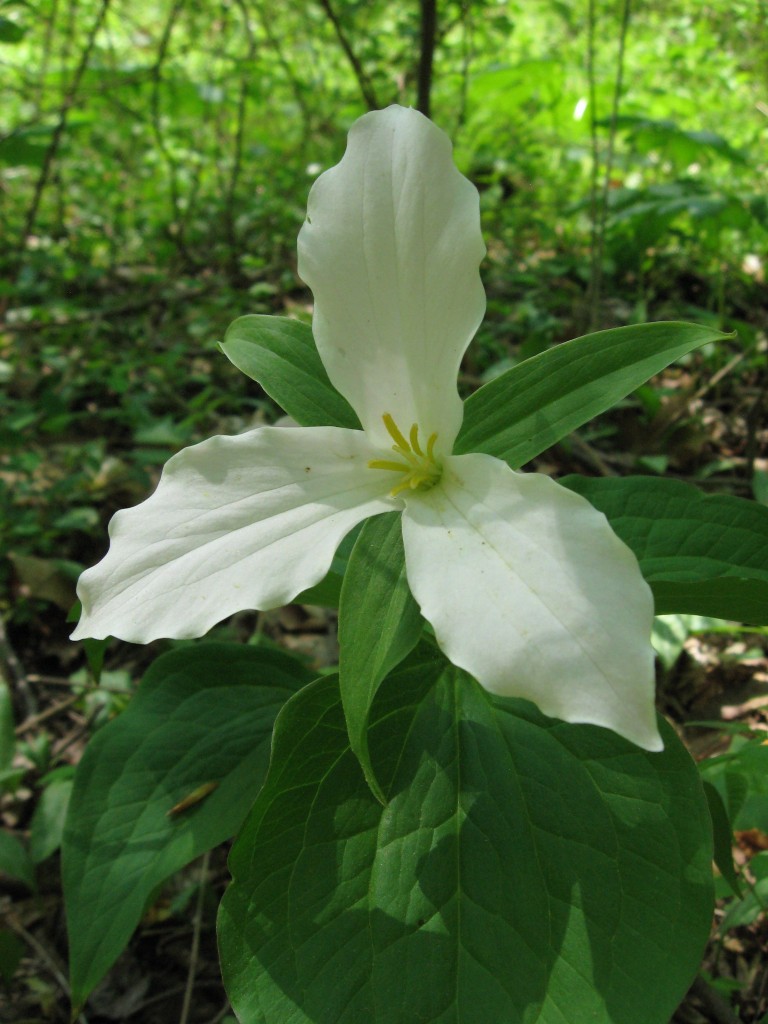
{"x": 419, "y": 469}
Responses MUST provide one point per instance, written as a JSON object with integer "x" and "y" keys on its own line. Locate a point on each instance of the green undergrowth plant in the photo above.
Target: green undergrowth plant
{"x": 480, "y": 816}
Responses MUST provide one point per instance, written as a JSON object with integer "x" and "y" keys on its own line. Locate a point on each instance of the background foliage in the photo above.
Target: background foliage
{"x": 155, "y": 159}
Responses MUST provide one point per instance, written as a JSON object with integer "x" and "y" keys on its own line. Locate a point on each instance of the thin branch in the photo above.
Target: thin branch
{"x": 157, "y": 128}
{"x": 363, "y": 79}
{"x": 47, "y": 957}
{"x": 36, "y": 720}
{"x": 13, "y": 674}
{"x": 295, "y": 83}
{"x": 467, "y": 54}
{"x": 58, "y": 132}
{"x": 237, "y": 157}
{"x": 195, "y": 951}
{"x": 427, "y": 54}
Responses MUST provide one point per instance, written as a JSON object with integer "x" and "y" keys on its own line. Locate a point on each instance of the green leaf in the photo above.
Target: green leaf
{"x": 533, "y": 405}
{"x": 723, "y": 837}
{"x": 281, "y": 355}
{"x": 704, "y": 554}
{"x": 11, "y": 952}
{"x": 15, "y": 862}
{"x": 47, "y": 828}
{"x": 26, "y": 147}
{"x": 11, "y": 31}
{"x": 328, "y": 591}
{"x": 143, "y": 803}
{"x": 755, "y": 902}
{"x": 379, "y": 625}
{"x": 741, "y": 778}
{"x": 523, "y": 870}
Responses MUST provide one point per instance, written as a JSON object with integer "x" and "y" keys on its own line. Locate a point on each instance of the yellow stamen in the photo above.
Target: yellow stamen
{"x": 418, "y": 470}
{"x": 415, "y": 440}
{"x": 404, "y": 486}
{"x": 397, "y": 467}
{"x": 394, "y": 433}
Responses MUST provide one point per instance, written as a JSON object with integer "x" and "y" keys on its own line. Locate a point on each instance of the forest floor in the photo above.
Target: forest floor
{"x": 703, "y": 422}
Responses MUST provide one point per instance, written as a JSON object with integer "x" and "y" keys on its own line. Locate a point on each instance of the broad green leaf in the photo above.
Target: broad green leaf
{"x": 703, "y": 554}
{"x": 173, "y": 776}
{"x": 15, "y": 862}
{"x": 281, "y": 355}
{"x": 533, "y": 405}
{"x": 740, "y": 599}
{"x": 328, "y": 591}
{"x": 379, "y": 625}
{"x": 523, "y": 870}
{"x": 47, "y": 827}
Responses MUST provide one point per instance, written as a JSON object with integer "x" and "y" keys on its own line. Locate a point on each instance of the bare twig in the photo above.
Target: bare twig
{"x": 35, "y": 720}
{"x": 363, "y": 79}
{"x": 295, "y": 83}
{"x": 75, "y": 734}
{"x": 58, "y": 131}
{"x": 195, "y": 951}
{"x": 680, "y": 410}
{"x": 12, "y": 672}
{"x": 237, "y": 157}
{"x": 467, "y": 53}
{"x": 47, "y": 957}
{"x": 427, "y": 54}
{"x": 157, "y": 128}
{"x": 590, "y": 455}
{"x": 226, "y": 1008}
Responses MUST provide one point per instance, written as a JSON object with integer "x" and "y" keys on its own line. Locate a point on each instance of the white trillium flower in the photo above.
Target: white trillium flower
{"x": 524, "y": 583}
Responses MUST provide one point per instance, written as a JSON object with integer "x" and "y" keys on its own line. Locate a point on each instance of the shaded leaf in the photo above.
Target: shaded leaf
{"x": 15, "y": 862}
{"x": 202, "y": 714}
{"x": 379, "y": 624}
{"x": 703, "y": 554}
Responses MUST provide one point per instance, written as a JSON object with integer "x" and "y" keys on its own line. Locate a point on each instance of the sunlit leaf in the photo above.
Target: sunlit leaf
{"x": 530, "y": 407}
{"x": 507, "y": 879}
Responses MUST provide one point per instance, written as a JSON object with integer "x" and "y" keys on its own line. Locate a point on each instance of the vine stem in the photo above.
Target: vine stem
{"x": 363, "y": 80}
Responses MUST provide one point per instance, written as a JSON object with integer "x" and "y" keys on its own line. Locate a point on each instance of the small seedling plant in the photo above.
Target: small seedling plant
{"x": 479, "y": 817}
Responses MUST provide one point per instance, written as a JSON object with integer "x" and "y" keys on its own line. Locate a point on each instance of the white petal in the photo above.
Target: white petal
{"x": 235, "y": 523}
{"x": 529, "y": 590}
{"x": 390, "y": 249}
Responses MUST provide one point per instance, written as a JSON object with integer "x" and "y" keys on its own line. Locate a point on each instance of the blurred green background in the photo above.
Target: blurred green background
{"x": 155, "y": 159}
